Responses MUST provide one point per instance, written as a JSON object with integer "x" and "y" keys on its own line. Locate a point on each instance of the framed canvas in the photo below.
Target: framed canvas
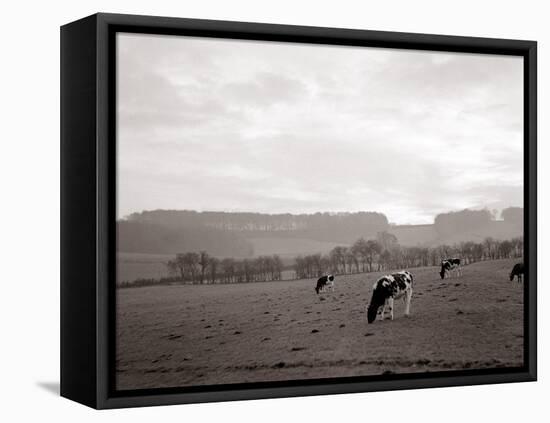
{"x": 257, "y": 211}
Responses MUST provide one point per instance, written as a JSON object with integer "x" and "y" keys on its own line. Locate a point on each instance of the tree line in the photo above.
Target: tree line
{"x": 266, "y": 222}
{"x": 365, "y": 222}
{"x": 373, "y": 255}
{"x": 225, "y": 234}
{"x": 385, "y": 253}
{"x": 201, "y": 268}
{"x": 340, "y": 226}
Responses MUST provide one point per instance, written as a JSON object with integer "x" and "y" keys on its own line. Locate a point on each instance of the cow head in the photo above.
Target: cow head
{"x": 372, "y": 312}
{"x": 442, "y": 272}
{"x": 512, "y": 276}
{"x": 381, "y": 291}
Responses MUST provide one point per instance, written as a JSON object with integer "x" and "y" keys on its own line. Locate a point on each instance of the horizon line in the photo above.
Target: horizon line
{"x": 332, "y": 213}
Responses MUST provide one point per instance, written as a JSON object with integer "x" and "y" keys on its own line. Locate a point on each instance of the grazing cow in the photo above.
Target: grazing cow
{"x": 450, "y": 266}
{"x": 385, "y": 290}
{"x": 517, "y": 271}
{"x": 325, "y": 282}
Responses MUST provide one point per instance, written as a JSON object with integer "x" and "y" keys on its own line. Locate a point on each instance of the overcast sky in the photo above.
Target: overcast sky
{"x": 209, "y": 124}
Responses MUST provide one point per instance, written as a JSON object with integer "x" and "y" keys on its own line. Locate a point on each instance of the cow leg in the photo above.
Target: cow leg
{"x": 390, "y": 305}
{"x": 383, "y": 311}
{"x": 408, "y": 296}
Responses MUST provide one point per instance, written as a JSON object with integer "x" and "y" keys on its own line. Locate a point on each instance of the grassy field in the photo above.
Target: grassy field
{"x": 132, "y": 266}
{"x": 200, "y": 335}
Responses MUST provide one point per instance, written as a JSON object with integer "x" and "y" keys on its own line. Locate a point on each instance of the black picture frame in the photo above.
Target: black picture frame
{"x": 88, "y": 198}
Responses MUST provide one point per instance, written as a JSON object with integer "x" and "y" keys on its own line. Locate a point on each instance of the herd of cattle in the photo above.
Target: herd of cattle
{"x": 400, "y": 285}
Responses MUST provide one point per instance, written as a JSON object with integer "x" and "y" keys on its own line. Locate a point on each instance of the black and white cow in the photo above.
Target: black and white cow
{"x": 385, "y": 290}
{"x": 450, "y": 266}
{"x": 325, "y": 282}
{"x": 517, "y": 271}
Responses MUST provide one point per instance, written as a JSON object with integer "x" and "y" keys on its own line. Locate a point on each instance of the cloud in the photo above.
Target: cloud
{"x": 266, "y": 89}
{"x": 236, "y": 125}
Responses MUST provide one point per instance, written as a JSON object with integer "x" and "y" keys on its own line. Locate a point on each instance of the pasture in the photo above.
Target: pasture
{"x": 132, "y": 266}
{"x": 169, "y": 336}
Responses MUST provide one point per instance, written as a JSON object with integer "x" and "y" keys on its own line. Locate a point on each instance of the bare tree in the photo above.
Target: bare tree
{"x": 175, "y": 267}
{"x": 386, "y": 240}
{"x": 213, "y": 264}
{"x": 373, "y": 248}
{"x": 191, "y": 262}
{"x": 338, "y": 258}
{"x": 204, "y": 260}
{"x": 228, "y": 269}
{"x": 277, "y": 268}
{"x": 385, "y": 259}
{"x": 361, "y": 250}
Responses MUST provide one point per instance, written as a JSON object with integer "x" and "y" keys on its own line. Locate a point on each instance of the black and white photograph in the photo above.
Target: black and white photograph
{"x": 292, "y": 211}
{"x": 276, "y": 211}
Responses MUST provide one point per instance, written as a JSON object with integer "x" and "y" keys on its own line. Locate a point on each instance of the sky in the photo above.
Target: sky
{"x": 232, "y": 125}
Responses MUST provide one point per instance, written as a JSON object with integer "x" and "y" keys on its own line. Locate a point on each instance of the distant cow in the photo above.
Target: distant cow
{"x": 517, "y": 271}
{"x": 450, "y": 266}
{"x": 385, "y": 290}
{"x": 325, "y": 282}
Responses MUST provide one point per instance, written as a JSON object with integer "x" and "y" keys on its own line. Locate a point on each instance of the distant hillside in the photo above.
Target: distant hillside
{"x": 290, "y": 247}
{"x": 414, "y": 235}
{"x": 252, "y": 234}
{"x": 144, "y": 237}
{"x": 331, "y": 227}
{"x": 466, "y": 225}
{"x": 243, "y": 234}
